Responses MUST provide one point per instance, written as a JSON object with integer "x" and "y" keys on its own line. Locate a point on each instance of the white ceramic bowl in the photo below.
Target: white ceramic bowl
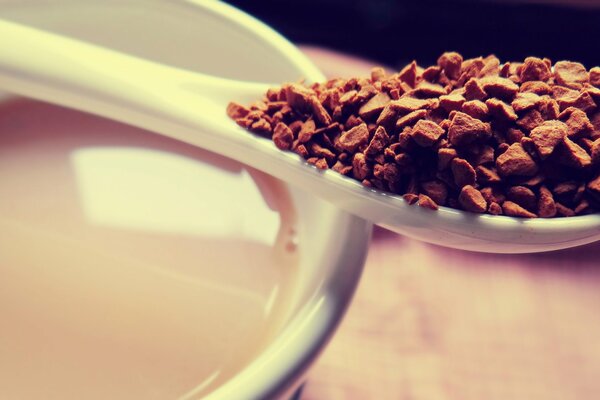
{"x": 214, "y": 38}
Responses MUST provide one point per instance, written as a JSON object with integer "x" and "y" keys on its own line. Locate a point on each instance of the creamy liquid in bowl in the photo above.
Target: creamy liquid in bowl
{"x": 131, "y": 266}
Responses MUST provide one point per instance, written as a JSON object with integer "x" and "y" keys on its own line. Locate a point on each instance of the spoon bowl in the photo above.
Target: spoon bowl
{"x": 190, "y": 107}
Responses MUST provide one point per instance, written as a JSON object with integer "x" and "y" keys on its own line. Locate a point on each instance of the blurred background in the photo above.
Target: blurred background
{"x": 394, "y": 32}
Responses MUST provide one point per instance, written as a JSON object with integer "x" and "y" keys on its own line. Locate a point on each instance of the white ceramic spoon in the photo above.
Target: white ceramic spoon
{"x": 190, "y": 107}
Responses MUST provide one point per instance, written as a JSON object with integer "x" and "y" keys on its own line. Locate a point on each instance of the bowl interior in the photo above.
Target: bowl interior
{"x": 210, "y": 37}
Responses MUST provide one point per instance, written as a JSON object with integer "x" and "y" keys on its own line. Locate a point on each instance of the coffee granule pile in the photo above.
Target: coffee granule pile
{"x": 520, "y": 139}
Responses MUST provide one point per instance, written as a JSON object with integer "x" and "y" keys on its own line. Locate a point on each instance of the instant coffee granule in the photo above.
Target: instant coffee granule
{"x": 520, "y": 139}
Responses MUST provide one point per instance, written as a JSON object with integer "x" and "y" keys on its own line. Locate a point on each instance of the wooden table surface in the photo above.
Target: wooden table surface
{"x": 430, "y": 323}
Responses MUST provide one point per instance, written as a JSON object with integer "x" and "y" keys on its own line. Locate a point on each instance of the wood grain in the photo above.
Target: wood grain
{"x": 432, "y": 323}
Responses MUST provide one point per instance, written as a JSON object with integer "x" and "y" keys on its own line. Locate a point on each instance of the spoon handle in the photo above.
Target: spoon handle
{"x": 158, "y": 97}
{"x": 177, "y": 103}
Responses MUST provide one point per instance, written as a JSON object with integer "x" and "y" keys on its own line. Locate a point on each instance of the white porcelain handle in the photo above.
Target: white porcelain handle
{"x": 50, "y": 67}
